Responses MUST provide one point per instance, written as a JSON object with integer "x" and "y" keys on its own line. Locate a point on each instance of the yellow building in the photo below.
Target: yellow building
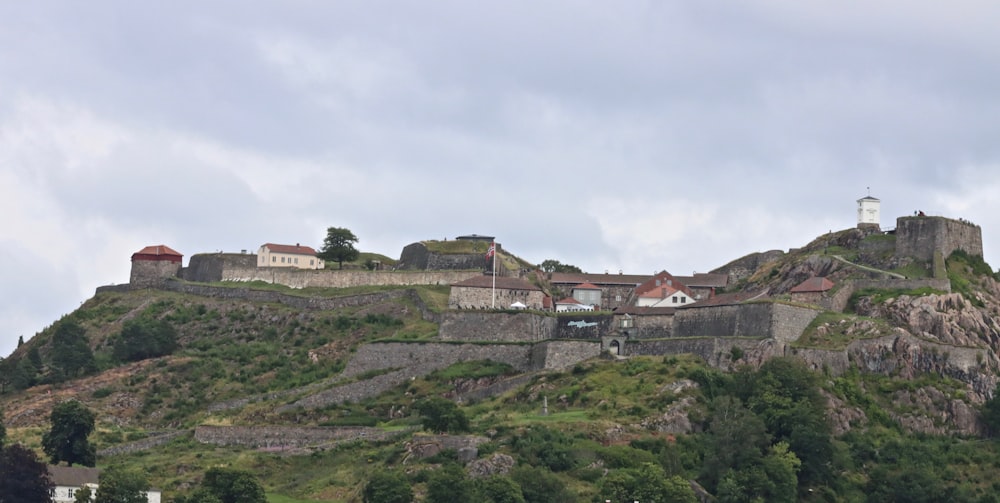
{"x": 274, "y": 255}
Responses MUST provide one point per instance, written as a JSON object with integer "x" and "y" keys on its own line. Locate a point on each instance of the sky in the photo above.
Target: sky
{"x": 630, "y": 135}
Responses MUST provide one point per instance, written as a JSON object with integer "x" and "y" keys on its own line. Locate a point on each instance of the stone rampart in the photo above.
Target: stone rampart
{"x": 584, "y": 326}
{"x": 564, "y": 354}
{"x": 152, "y": 273}
{"x": 336, "y": 278}
{"x": 416, "y": 256}
{"x": 285, "y": 437}
{"x": 299, "y": 302}
{"x": 495, "y": 327}
{"x": 142, "y": 445}
{"x": 421, "y": 356}
{"x": 920, "y": 237}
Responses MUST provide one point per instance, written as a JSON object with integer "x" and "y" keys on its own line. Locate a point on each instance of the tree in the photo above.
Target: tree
{"x": 71, "y": 354}
{"x": 539, "y": 485}
{"x": 551, "y": 265}
{"x": 23, "y": 477}
{"x": 499, "y": 489}
{"x": 648, "y": 483}
{"x": 144, "y": 338}
{"x": 339, "y": 246}
{"x": 387, "y": 487}
{"x": 442, "y": 415}
{"x": 121, "y": 485}
{"x": 3, "y": 432}
{"x": 230, "y": 485}
{"x": 83, "y": 495}
{"x": 991, "y": 413}
{"x": 449, "y": 485}
{"x": 66, "y": 440}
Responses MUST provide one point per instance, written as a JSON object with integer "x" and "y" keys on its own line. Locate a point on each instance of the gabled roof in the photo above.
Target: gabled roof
{"x": 73, "y": 476}
{"x": 502, "y": 283}
{"x": 665, "y": 279}
{"x": 660, "y": 292}
{"x": 813, "y": 284}
{"x": 727, "y": 299}
{"x": 586, "y": 286}
{"x": 295, "y": 249}
{"x": 573, "y": 278}
{"x": 159, "y": 250}
{"x": 567, "y": 300}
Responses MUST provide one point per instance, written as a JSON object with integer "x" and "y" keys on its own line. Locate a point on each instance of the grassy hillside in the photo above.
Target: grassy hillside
{"x": 777, "y": 431}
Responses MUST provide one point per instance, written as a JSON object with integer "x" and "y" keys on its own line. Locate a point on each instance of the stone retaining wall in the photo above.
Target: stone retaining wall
{"x": 286, "y": 437}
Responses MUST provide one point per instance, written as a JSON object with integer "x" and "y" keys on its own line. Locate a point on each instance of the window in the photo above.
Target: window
{"x": 311, "y": 261}
{"x": 683, "y": 300}
{"x": 273, "y": 258}
{"x": 296, "y": 260}
{"x": 282, "y": 260}
{"x": 675, "y": 299}
{"x": 618, "y": 298}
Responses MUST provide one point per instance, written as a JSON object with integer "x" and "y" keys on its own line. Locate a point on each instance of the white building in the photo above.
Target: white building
{"x": 868, "y": 210}
{"x": 67, "y": 480}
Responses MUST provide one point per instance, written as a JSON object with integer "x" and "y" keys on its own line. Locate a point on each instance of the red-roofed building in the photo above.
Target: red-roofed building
{"x": 275, "y": 255}
{"x": 812, "y": 290}
{"x": 587, "y": 294}
{"x": 663, "y": 290}
{"x": 154, "y": 264}
{"x": 571, "y": 304}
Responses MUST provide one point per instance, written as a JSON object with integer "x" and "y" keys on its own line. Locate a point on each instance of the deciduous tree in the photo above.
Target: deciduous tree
{"x": 71, "y": 424}
{"x": 23, "y": 477}
{"x": 118, "y": 484}
{"x": 442, "y": 415}
{"x": 339, "y": 246}
{"x": 230, "y": 485}
{"x": 387, "y": 487}
{"x": 143, "y": 338}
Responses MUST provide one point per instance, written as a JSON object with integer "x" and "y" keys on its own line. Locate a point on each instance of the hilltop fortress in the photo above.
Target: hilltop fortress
{"x": 722, "y": 328}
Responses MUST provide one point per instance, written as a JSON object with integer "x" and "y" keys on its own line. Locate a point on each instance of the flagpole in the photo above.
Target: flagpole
{"x": 493, "y": 246}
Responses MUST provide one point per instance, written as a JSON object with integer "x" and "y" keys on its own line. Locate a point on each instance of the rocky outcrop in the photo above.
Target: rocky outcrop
{"x": 948, "y": 319}
{"x": 497, "y": 464}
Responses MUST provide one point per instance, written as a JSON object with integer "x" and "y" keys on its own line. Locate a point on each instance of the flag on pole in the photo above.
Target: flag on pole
{"x": 491, "y": 251}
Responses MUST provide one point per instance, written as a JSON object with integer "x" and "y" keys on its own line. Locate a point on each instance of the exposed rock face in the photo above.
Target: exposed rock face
{"x": 842, "y": 418}
{"x": 930, "y": 411}
{"x": 948, "y": 318}
{"x": 497, "y": 464}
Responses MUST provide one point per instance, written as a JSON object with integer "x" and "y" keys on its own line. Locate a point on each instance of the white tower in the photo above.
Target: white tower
{"x": 868, "y": 209}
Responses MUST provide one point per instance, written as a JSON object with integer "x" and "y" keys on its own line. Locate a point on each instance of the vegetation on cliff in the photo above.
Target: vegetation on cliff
{"x": 901, "y": 424}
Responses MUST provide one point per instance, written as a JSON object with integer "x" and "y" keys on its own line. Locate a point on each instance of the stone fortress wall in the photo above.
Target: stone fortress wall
{"x": 921, "y": 236}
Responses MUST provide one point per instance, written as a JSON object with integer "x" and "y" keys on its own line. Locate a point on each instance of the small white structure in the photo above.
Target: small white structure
{"x": 868, "y": 211}
{"x": 67, "y": 480}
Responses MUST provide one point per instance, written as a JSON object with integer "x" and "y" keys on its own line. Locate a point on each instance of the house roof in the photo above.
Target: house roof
{"x": 586, "y": 286}
{"x": 705, "y": 280}
{"x": 664, "y": 278}
{"x": 503, "y": 283}
{"x": 660, "y": 292}
{"x": 295, "y": 249}
{"x": 573, "y": 278}
{"x": 567, "y": 300}
{"x": 73, "y": 476}
{"x": 727, "y": 299}
{"x": 159, "y": 250}
{"x": 813, "y": 284}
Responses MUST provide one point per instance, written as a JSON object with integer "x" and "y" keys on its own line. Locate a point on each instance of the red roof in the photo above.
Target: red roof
{"x": 658, "y": 281}
{"x": 158, "y": 250}
{"x": 586, "y": 286}
{"x": 295, "y": 249}
{"x": 813, "y": 284}
{"x": 568, "y": 300}
{"x": 659, "y": 292}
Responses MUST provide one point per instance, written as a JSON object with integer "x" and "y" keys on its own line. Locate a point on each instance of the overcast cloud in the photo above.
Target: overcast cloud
{"x": 631, "y": 135}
